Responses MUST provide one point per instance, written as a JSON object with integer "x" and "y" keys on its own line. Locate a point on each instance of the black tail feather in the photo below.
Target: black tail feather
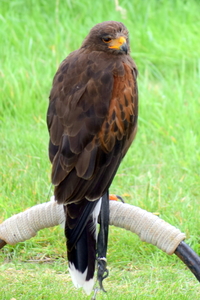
{"x": 82, "y": 248}
{"x": 77, "y": 217}
{"x": 80, "y": 231}
{"x": 83, "y": 255}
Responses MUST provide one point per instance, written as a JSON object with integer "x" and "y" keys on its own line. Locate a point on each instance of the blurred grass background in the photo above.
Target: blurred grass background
{"x": 161, "y": 170}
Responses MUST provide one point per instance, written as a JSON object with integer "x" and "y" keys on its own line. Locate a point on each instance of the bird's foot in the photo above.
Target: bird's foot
{"x": 116, "y": 198}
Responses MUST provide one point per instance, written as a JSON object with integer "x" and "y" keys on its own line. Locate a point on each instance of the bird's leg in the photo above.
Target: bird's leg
{"x": 102, "y": 271}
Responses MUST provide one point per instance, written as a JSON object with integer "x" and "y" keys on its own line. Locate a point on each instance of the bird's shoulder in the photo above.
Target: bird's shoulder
{"x": 93, "y": 94}
{"x": 84, "y": 81}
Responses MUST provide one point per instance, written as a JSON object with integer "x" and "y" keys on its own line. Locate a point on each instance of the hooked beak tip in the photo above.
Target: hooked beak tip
{"x": 124, "y": 48}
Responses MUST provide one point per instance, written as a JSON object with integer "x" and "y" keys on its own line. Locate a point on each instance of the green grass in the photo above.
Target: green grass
{"x": 160, "y": 172}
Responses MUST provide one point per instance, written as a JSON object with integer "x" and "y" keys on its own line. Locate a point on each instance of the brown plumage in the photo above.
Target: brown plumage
{"x": 92, "y": 120}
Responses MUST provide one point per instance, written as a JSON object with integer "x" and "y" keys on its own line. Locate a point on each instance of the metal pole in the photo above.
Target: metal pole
{"x": 190, "y": 258}
{"x": 2, "y": 243}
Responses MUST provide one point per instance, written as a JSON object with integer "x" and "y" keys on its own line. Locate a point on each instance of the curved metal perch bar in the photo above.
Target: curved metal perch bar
{"x": 147, "y": 226}
{"x": 190, "y": 258}
{"x": 2, "y": 243}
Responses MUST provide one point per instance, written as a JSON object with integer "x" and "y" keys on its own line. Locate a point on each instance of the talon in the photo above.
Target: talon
{"x": 120, "y": 198}
{"x": 116, "y": 198}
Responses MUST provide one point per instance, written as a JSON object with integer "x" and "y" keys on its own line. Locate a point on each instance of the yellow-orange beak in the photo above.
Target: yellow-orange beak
{"x": 119, "y": 44}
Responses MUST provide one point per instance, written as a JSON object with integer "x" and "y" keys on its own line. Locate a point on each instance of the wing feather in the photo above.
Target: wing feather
{"x": 91, "y": 119}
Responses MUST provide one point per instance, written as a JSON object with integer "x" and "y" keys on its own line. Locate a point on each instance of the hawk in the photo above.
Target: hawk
{"x": 92, "y": 121}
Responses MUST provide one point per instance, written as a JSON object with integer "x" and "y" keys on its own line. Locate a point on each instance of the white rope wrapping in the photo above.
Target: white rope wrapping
{"x": 25, "y": 225}
{"x": 146, "y": 225}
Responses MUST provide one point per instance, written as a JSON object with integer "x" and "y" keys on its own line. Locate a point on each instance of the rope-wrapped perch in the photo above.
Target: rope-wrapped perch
{"x": 146, "y": 225}
{"x": 25, "y": 225}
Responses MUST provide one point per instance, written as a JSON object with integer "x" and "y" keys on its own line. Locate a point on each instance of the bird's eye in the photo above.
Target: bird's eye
{"x": 106, "y": 40}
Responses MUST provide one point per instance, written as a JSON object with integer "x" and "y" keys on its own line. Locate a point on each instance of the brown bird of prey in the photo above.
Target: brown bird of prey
{"x": 92, "y": 121}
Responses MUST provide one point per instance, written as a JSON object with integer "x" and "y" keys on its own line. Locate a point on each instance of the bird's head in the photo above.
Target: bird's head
{"x": 109, "y": 36}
